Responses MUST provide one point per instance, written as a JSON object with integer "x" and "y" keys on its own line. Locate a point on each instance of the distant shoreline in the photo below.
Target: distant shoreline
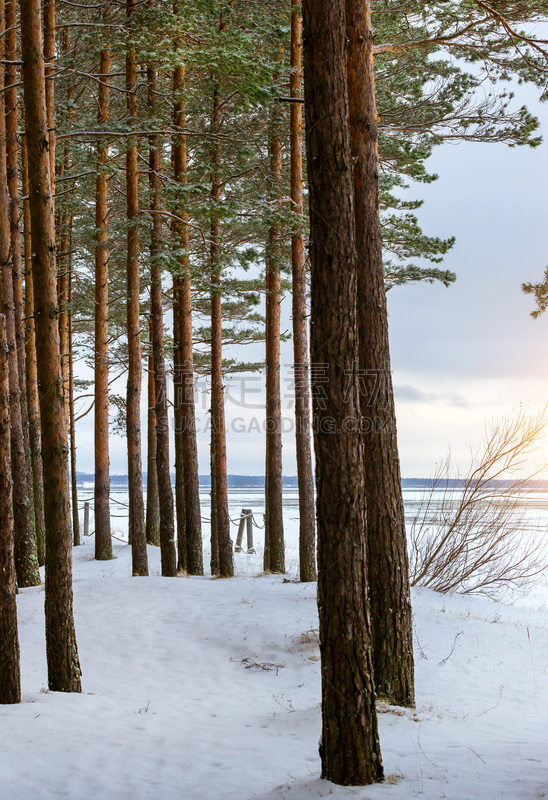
{"x": 85, "y": 480}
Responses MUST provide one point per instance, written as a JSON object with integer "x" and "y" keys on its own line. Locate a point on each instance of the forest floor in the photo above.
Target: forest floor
{"x": 201, "y": 689}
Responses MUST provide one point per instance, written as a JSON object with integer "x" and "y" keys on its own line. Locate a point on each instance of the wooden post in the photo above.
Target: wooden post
{"x": 239, "y": 538}
{"x": 250, "y": 548}
{"x": 86, "y": 519}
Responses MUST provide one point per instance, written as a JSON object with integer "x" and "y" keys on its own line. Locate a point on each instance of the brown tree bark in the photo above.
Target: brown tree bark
{"x": 165, "y": 492}
{"x": 226, "y": 562}
{"x": 103, "y": 540}
{"x": 72, "y": 420}
{"x": 12, "y": 156}
{"x": 61, "y": 649}
{"x": 64, "y": 291}
{"x": 64, "y": 237}
{"x": 26, "y": 556}
{"x": 274, "y": 553}
{"x": 153, "y": 501}
{"x": 349, "y": 749}
{"x": 184, "y": 346}
{"x": 12, "y": 165}
{"x": 214, "y": 539}
{"x": 63, "y": 267}
{"x": 178, "y": 417}
{"x": 10, "y": 674}
{"x": 32, "y": 372}
{"x": 392, "y": 626}
{"x": 49, "y": 33}
{"x": 64, "y": 288}
{"x": 303, "y": 429}
{"x": 137, "y": 532}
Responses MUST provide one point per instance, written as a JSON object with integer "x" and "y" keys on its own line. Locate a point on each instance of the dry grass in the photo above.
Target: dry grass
{"x": 481, "y": 540}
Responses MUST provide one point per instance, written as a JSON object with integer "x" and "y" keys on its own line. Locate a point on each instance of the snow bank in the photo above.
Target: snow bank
{"x": 198, "y": 689}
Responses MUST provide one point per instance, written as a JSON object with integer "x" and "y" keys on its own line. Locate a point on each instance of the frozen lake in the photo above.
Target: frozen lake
{"x": 535, "y": 505}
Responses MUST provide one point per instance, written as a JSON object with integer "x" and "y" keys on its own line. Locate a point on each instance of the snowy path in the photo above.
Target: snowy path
{"x": 170, "y": 710}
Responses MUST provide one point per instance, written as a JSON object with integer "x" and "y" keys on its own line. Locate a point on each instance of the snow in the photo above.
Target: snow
{"x": 195, "y": 688}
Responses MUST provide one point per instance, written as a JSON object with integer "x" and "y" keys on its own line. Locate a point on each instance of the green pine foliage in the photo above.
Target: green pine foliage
{"x": 442, "y": 74}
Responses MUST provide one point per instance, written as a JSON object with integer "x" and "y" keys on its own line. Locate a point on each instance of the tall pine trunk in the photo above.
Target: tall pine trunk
{"x": 10, "y": 674}
{"x": 214, "y": 537}
{"x": 137, "y": 533}
{"x": 153, "y": 501}
{"x": 26, "y": 556}
{"x": 165, "y": 492}
{"x": 349, "y": 748}
{"x": 226, "y": 562}
{"x": 63, "y": 279}
{"x": 64, "y": 257}
{"x": 49, "y": 71}
{"x": 274, "y": 553}
{"x": 180, "y": 506}
{"x": 33, "y": 403}
{"x": 64, "y": 288}
{"x": 12, "y": 156}
{"x": 61, "y": 649}
{"x": 303, "y": 430}
{"x": 12, "y": 165}
{"x": 184, "y": 345}
{"x": 388, "y": 576}
{"x": 72, "y": 419}
{"x": 103, "y": 540}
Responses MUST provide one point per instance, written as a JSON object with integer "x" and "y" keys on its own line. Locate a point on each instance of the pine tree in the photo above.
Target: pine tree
{"x": 26, "y": 556}
{"x": 165, "y": 492}
{"x": 349, "y": 745}
{"x": 303, "y": 430}
{"x": 31, "y": 368}
{"x": 61, "y": 649}
{"x": 184, "y": 356}
{"x": 387, "y": 564}
{"x": 274, "y": 552}
{"x": 10, "y": 677}
{"x": 137, "y": 533}
{"x": 103, "y": 540}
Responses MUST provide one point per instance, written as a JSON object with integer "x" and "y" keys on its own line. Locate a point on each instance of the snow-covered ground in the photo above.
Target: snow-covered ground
{"x": 197, "y": 689}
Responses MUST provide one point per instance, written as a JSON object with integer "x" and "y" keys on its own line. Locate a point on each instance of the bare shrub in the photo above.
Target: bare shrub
{"x": 478, "y": 536}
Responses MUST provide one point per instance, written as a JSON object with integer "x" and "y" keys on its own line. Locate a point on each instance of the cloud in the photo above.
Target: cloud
{"x": 411, "y": 394}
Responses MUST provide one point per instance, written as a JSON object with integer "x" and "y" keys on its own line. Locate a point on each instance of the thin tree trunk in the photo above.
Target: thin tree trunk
{"x": 64, "y": 288}
{"x": 10, "y": 674}
{"x": 184, "y": 342}
{"x": 349, "y": 748}
{"x": 226, "y": 563}
{"x": 178, "y": 143}
{"x": 153, "y": 500}
{"x": 274, "y": 553}
{"x": 178, "y": 415}
{"x": 49, "y": 71}
{"x": 12, "y": 165}
{"x": 137, "y": 532}
{"x": 214, "y": 560}
{"x": 388, "y": 574}
{"x": 63, "y": 268}
{"x": 63, "y": 225}
{"x": 33, "y": 404}
{"x": 64, "y": 235}
{"x": 165, "y": 492}
{"x": 12, "y": 155}
{"x": 72, "y": 421}
{"x": 303, "y": 431}
{"x": 61, "y": 649}
{"x": 103, "y": 539}
{"x": 26, "y": 557}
